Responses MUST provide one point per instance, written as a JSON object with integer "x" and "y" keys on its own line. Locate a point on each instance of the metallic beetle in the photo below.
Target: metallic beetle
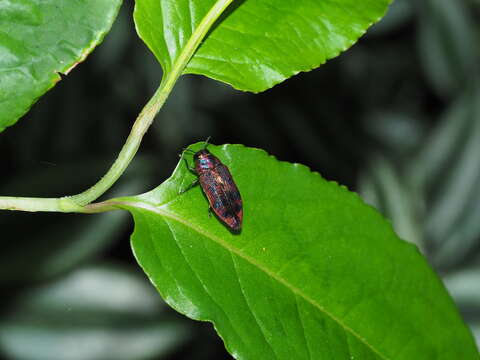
{"x": 219, "y": 188}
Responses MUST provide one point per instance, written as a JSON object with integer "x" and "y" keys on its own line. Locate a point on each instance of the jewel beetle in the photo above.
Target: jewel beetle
{"x": 218, "y": 186}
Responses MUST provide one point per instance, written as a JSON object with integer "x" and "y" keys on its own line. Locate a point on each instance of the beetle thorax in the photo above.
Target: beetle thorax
{"x": 205, "y": 161}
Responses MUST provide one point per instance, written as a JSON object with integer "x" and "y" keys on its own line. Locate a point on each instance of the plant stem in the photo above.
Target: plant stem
{"x": 77, "y": 203}
{"x": 39, "y": 204}
{"x": 129, "y": 149}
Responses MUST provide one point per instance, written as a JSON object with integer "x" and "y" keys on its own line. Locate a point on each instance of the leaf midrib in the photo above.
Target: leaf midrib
{"x": 296, "y": 291}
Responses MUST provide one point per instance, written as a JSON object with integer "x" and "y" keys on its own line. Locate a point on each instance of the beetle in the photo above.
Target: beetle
{"x": 218, "y": 186}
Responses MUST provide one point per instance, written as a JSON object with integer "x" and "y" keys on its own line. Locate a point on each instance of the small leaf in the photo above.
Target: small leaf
{"x": 314, "y": 274}
{"x": 39, "y": 40}
{"x": 257, "y": 44}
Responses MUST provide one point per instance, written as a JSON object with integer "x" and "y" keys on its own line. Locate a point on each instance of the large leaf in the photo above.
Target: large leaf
{"x": 39, "y": 39}
{"x": 314, "y": 274}
{"x": 257, "y": 44}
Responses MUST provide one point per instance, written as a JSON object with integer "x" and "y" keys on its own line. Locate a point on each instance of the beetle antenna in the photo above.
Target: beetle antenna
{"x": 206, "y": 143}
{"x": 188, "y": 151}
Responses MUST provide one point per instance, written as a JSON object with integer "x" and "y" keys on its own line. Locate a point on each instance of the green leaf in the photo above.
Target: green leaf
{"x": 257, "y": 44}
{"x": 41, "y": 39}
{"x": 314, "y": 274}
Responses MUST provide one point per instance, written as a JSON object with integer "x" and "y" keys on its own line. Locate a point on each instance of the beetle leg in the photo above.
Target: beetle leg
{"x": 191, "y": 169}
{"x": 195, "y": 183}
{"x": 183, "y": 152}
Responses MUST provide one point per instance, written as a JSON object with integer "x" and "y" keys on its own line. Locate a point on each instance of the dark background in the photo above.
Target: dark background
{"x": 396, "y": 118}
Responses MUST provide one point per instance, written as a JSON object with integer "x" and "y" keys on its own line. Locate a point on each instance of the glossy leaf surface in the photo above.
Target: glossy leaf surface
{"x": 256, "y": 44}
{"x": 315, "y": 273}
{"x": 39, "y": 39}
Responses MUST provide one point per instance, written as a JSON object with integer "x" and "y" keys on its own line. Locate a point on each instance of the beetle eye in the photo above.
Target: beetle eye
{"x": 203, "y": 161}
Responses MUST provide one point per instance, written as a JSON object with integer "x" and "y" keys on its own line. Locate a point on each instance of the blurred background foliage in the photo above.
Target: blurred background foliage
{"x": 396, "y": 118}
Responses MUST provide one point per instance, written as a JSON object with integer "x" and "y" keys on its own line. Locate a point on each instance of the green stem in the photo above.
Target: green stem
{"x": 39, "y": 204}
{"x": 77, "y": 203}
{"x": 129, "y": 149}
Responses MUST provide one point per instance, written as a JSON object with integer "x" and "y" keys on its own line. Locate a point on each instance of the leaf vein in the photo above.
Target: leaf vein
{"x": 303, "y": 326}
{"x": 242, "y": 290}
{"x": 163, "y": 212}
{"x": 187, "y": 261}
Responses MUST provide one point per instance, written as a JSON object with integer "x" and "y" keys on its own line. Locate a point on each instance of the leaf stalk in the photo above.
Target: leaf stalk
{"x": 78, "y": 203}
